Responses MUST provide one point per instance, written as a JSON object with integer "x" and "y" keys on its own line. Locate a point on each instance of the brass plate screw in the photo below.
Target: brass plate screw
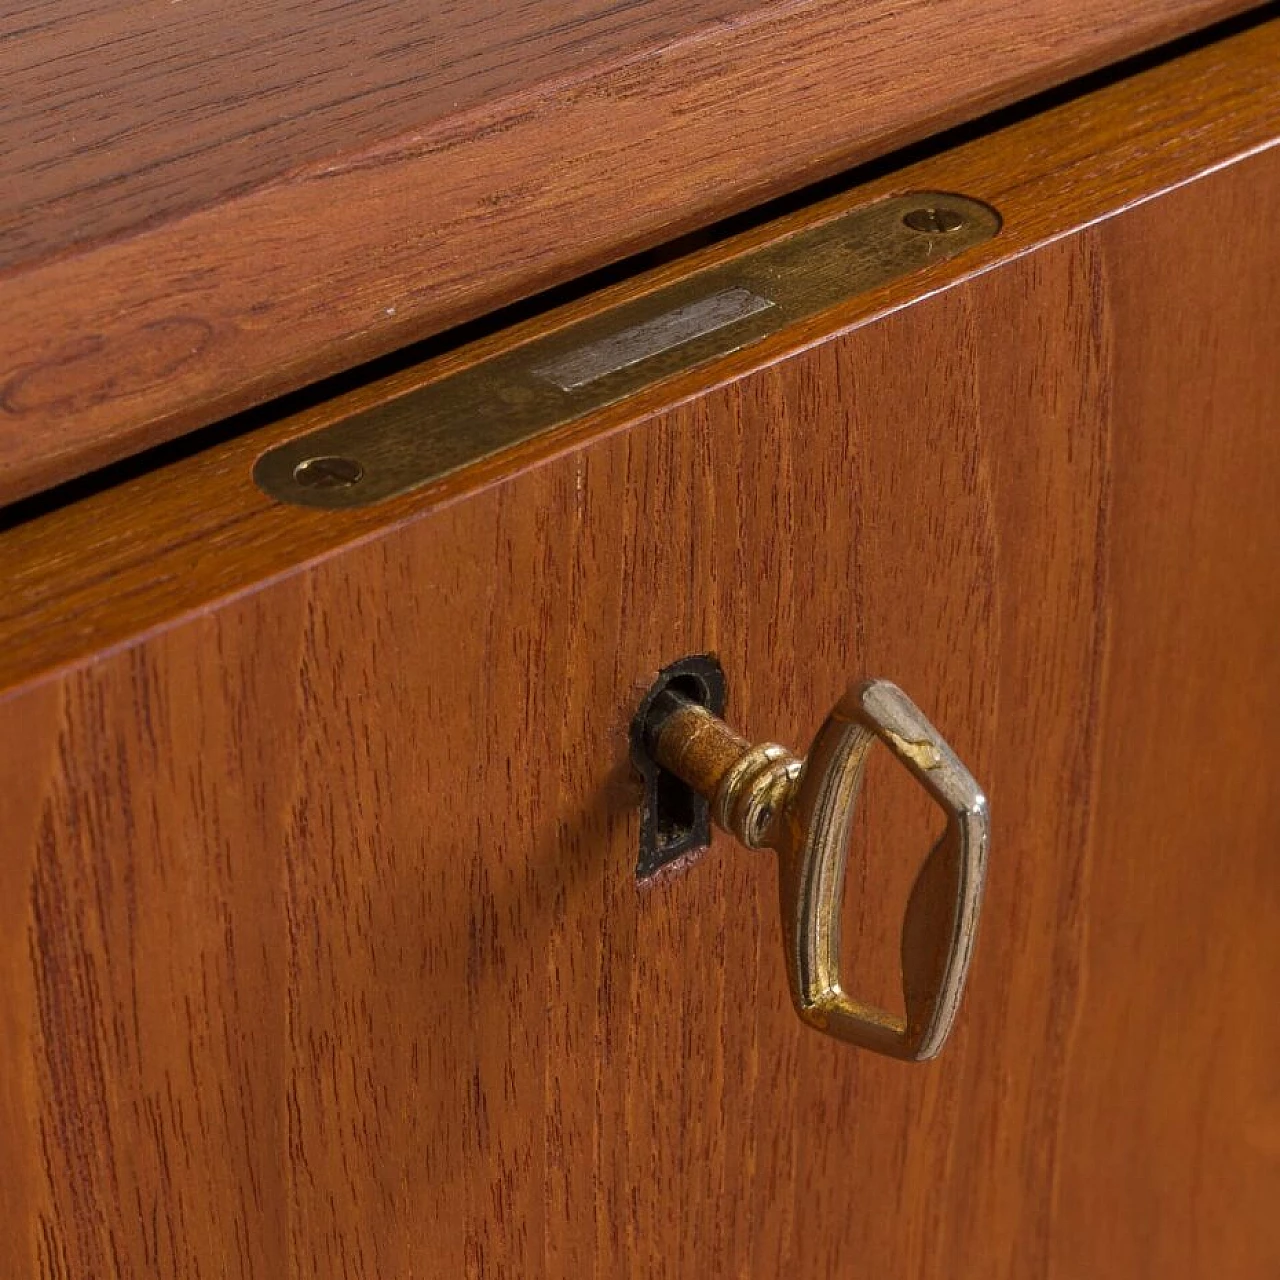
{"x": 328, "y": 473}
{"x": 934, "y": 221}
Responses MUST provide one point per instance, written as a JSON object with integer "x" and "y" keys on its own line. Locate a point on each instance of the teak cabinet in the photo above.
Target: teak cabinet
{"x": 322, "y": 951}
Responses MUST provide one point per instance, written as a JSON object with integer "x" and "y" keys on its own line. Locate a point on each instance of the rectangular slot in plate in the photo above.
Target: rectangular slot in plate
{"x": 425, "y": 434}
{"x": 651, "y": 337}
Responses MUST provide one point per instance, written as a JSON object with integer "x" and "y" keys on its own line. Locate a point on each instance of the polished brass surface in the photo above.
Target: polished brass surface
{"x": 804, "y": 810}
{"x": 508, "y": 398}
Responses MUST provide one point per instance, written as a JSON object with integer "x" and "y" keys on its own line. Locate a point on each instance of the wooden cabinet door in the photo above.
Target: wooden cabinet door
{"x": 321, "y": 947}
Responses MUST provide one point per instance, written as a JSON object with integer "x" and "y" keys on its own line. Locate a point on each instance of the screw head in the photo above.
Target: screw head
{"x": 934, "y": 221}
{"x": 329, "y": 472}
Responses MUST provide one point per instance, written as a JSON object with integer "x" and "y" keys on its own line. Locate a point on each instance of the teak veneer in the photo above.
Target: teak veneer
{"x": 205, "y": 204}
{"x": 321, "y": 949}
{"x": 136, "y": 556}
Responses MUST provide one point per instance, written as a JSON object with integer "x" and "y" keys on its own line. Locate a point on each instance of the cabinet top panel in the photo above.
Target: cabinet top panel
{"x": 203, "y": 205}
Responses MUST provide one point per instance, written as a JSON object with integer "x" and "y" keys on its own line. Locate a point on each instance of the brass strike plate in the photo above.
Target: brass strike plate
{"x": 425, "y": 434}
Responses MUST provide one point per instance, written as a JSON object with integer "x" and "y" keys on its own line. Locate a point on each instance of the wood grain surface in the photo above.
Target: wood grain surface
{"x": 141, "y": 554}
{"x": 205, "y": 204}
{"x": 320, "y": 949}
